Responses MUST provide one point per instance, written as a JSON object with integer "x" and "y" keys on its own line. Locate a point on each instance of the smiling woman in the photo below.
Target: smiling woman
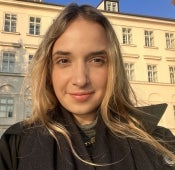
{"x": 80, "y": 60}
{"x": 83, "y": 117}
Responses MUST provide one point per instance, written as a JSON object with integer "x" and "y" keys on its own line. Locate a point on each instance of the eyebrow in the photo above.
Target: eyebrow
{"x": 100, "y": 52}
{"x": 61, "y": 53}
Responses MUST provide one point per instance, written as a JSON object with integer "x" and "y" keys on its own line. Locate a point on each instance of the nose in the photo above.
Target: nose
{"x": 80, "y": 76}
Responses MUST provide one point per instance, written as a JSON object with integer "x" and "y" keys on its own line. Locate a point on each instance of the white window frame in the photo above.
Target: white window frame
{"x": 8, "y": 62}
{"x": 114, "y": 4}
{"x": 172, "y": 74}
{"x": 149, "y": 38}
{"x": 10, "y": 22}
{"x": 170, "y": 41}
{"x": 34, "y": 25}
{"x": 127, "y": 35}
{"x": 111, "y": 6}
{"x": 108, "y": 6}
{"x": 129, "y": 68}
{"x": 6, "y": 107}
{"x": 152, "y": 73}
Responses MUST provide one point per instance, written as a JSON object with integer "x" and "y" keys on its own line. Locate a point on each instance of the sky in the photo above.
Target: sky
{"x": 155, "y": 8}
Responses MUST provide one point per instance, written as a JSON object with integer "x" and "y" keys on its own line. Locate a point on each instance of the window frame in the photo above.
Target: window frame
{"x": 12, "y": 28}
{"x": 8, "y": 62}
{"x": 34, "y": 24}
{"x": 111, "y": 6}
{"x": 7, "y": 113}
{"x": 130, "y": 70}
{"x": 149, "y": 38}
{"x": 152, "y": 73}
{"x": 126, "y": 36}
{"x": 170, "y": 40}
{"x": 172, "y": 74}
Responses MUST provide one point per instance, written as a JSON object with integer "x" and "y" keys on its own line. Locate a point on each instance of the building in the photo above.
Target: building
{"x": 147, "y": 43}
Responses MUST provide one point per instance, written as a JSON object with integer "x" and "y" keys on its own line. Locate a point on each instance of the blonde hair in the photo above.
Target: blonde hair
{"x": 117, "y": 100}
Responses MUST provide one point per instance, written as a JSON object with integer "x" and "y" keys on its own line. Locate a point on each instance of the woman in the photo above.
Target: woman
{"x": 83, "y": 117}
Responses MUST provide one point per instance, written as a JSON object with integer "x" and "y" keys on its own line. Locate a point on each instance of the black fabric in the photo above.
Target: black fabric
{"x": 152, "y": 116}
{"x": 32, "y": 148}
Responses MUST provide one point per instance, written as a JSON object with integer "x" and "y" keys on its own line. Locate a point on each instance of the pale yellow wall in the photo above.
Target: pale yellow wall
{"x": 148, "y": 93}
{"x": 141, "y": 56}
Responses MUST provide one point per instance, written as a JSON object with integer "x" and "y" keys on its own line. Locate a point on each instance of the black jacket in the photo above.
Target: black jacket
{"x": 32, "y": 148}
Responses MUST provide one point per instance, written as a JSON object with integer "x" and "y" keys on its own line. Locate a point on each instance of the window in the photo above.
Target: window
{"x": 111, "y": 6}
{"x": 149, "y": 39}
{"x": 34, "y": 26}
{"x": 30, "y": 58}
{"x": 170, "y": 42}
{"x": 8, "y": 62}
{"x": 6, "y": 107}
{"x": 152, "y": 73}
{"x": 129, "y": 68}
{"x": 10, "y": 23}
{"x": 108, "y": 6}
{"x": 172, "y": 74}
{"x": 127, "y": 35}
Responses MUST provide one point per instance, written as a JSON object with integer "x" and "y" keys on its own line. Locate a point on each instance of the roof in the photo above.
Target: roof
{"x": 122, "y": 13}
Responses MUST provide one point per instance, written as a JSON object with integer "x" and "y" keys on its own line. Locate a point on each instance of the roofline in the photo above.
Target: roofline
{"x": 99, "y": 3}
{"x": 122, "y": 13}
{"x": 43, "y": 3}
{"x": 140, "y": 15}
{"x": 148, "y": 16}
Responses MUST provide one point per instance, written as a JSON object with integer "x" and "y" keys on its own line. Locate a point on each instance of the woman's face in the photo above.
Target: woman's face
{"x": 80, "y": 69}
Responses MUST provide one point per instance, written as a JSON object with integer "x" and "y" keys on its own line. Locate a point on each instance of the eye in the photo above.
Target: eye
{"x": 62, "y": 61}
{"x": 98, "y": 60}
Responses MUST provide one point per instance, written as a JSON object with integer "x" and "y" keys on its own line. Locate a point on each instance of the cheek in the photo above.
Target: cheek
{"x": 59, "y": 76}
{"x": 100, "y": 78}
{"x": 57, "y": 80}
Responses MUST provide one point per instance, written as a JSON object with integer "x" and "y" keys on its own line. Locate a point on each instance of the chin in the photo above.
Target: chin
{"x": 82, "y": 110}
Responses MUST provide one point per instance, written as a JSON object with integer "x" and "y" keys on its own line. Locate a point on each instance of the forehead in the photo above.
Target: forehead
{"x": 83, "y": 26}
{"x": 82, "y": 34}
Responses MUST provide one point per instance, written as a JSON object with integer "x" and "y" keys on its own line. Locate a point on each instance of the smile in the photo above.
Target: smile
{"x": 81, "y": 96}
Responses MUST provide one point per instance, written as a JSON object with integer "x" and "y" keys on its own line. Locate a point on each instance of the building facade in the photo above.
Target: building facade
{"x": 147, "y": 44}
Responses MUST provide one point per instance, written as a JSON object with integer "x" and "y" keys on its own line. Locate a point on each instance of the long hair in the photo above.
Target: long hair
{"x": 117, "y": 102}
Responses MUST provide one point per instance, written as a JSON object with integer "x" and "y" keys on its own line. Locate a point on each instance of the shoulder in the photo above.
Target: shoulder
{"x": 15, "y": 129}
{"x": 9, "y": 144}
{"x": 163, "y": 132}
{"x": 166, "y": 135}
{"x": 14, "y": 134}
{"x": 11, "y": 141}
{"x": 167, "y": 139}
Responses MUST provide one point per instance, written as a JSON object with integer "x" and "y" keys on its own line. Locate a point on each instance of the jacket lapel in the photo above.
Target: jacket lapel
{"x": 78, "y": 144}
{"x": 152, "y": 116}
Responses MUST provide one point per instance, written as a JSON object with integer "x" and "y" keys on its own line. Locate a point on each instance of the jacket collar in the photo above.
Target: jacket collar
{"x": 152, "y": 116}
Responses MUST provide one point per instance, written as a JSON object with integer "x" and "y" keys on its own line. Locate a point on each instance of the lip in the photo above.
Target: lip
{"x": 81, "y": 96}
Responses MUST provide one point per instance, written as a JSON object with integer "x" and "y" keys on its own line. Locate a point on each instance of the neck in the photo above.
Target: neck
{"x": 83, "y": 120}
